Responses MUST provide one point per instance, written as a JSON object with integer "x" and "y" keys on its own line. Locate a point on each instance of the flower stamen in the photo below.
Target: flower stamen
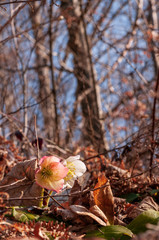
{"x": 46, "y": 172}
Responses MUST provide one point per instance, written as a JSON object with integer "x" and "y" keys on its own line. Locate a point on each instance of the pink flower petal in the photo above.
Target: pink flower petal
{"x": 49, "y": 159}
{"x": 50, "y": 173}
{"x": 57, "y": 185}
{"x": 42, "y": 159}
{"x": 53, "y": 186}
{"x": 59, "y": 171}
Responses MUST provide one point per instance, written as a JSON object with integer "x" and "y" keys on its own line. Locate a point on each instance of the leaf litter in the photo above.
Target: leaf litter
{"x": 93, "y": 205}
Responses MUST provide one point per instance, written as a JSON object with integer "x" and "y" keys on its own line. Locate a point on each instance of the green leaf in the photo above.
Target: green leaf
{"x": 46, "y": 218}
{"x": 139, "y": 223}
{"x": 130, "y": 197}
{"x": 19, "y": 215}
{"x": 113, "y": 231}
{"x": 154, "y": 192}
{"x": 23, "y": 216}
{"x": 31, "y": 216}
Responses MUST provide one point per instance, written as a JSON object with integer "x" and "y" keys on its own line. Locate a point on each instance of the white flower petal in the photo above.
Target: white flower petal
{"x": 73, "y": 158}
{"x": 80, "y": 168}
{"x": 76, "y": 169}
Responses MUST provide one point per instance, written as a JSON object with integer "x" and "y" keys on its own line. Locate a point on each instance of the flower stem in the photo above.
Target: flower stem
{"x": 48, "y": 198}
{"x": 41, "y": 200}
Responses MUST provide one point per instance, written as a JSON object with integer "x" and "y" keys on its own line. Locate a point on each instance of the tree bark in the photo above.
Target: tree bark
{"x": 154, "y": 20}
{"x": 83, "y": 70}
{"x": 45, "y": 85}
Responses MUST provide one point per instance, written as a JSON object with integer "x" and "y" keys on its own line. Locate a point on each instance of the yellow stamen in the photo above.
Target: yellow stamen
{"x": 71, "y": 171}
{"x": 46, "y": 172}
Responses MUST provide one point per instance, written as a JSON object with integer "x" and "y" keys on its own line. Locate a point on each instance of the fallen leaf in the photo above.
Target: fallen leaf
{"x": 19, "y": 216}
{"x": 82, "y": 211}
{"x": 151, "y": 233}
{"x": 99, "y": 213}
{"x": 23, "y": 215}
{"x": 146, "y": 204}
{"x": 39, "y": 233}
{"x": 75, "y": 199}
{"x": 119, "y": 172}
{"x": 3, "y": 197}
{"x": 118, "y": 221}
{"x": 66, "y": 214}
{"x": 103, "y": 198}
{"x": 119, "y": 200}
{"x": 23, "y": 238}
{"x": 139, "y": 224}
{"x": 94, "y": 238}
{"x": 19, "y": 183}
{"x": 130, "y": 197}
{"x": 112, "y": 232}
{"x": 3, "y": 162}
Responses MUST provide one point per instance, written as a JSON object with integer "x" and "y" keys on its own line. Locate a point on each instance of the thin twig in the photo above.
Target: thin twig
{"x": 22, "y": 1}
{"x": 28, "y": 106}
{"x": 54, "y": 91}
{"x": 54, "y": 200}
{"x": 14, "y": 124}
{"x": 27, "y": 1}
{"x": 153, "y": 124}
{"x": 37, "y": 141}
{"x": 13, "y": 16}
{"x": 14, "y": 183}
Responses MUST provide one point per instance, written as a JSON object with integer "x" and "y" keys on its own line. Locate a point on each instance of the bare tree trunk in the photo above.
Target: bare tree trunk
{"x": 154, "y": 20}
{"x": 84, "y": 73}
{"x": 45, "y": 85}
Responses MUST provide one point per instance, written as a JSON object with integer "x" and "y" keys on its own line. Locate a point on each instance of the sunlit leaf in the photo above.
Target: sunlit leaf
{"x": 85, "y": 213}
{"x": 23, "y": 216}
{"x": 19, "y": 215}
{"x": 31, "y": 216}
{"x": 146, "y": 204}
{"x": 103, "y": 198}
{"x": 139, "y": 223}
{"x": 112, "y": 232}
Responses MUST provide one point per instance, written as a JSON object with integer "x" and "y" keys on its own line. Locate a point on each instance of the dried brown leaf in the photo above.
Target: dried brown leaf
{"x": 84, "y": 212}
{"x": 99, "y": 213}
{"x": 103, "y": 198}
{"x": 3, "y": 162}
{"x": 146, "y": 204}
{"x": 66, "y": 214}
{"x": 75, "y": 199}
{"x": 39, "y": 232}
{"x": 19, "y": 183}
{"x": 22, "y": 238}
{"x": 119, "y": 172}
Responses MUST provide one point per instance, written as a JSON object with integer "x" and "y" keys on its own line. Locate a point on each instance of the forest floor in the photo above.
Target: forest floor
{"x": 114, "y": 199}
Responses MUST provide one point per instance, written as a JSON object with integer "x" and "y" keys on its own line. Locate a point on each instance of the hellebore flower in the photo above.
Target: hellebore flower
{"x": 51, "y": 173}
{"x": 76, "y": 168}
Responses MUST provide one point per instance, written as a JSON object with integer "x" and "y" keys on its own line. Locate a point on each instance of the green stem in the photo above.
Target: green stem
{"x": 48, "y": 198}
{"x": 41, "y": 200}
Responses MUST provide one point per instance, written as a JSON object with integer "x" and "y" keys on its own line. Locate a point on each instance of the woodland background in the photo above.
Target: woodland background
{"x": 80, "y": 73}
